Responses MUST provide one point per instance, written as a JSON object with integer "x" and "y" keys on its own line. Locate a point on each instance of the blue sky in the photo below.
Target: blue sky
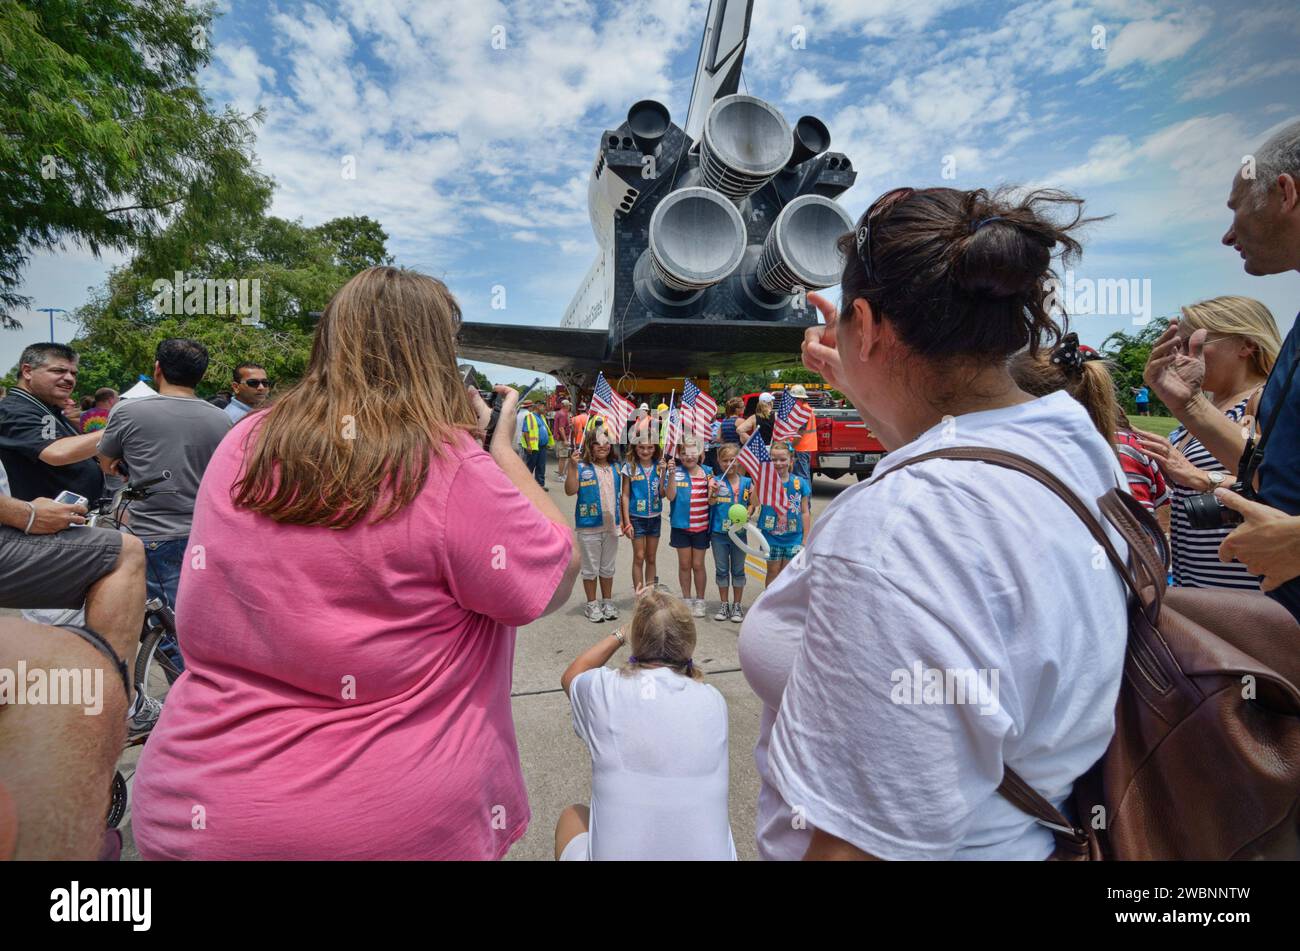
{"x": 474, "y": 154}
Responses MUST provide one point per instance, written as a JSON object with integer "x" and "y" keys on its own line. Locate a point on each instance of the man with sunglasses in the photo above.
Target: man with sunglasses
{"x": 250, "y": 388}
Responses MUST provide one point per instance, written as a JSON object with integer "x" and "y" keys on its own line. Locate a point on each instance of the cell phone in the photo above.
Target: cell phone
{"x": 497, "y": 399}
{"x": 71, "y": 498}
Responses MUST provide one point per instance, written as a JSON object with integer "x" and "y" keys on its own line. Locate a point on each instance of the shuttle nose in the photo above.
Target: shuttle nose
{"x": 696, "y": 239}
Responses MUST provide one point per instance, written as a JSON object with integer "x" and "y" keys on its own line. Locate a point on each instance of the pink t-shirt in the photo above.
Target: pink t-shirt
{"x": 347, "y": 693}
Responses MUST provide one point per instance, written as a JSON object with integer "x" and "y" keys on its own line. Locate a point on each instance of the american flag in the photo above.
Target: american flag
{"x": 758, "y": 463}
{"x": 792, "y": 416}
{"x": 698, "y": 409}
{"x": 674, "y": 424}
{"x": 614, "y": 408}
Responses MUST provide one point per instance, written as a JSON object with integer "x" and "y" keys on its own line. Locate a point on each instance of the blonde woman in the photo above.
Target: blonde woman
{"x": 350, "y": 637}
{"x": 658, "y": 742}
{"x": 1239, "y": 341}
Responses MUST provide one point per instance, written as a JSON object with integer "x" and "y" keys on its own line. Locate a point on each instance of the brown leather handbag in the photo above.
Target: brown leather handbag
{"x": 1205, "y": 760}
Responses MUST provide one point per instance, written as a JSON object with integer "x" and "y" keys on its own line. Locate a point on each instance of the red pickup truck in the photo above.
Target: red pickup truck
{"x": 844, "y": 443}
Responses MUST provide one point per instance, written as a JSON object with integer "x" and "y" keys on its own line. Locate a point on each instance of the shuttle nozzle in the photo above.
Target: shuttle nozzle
{"x": 696, "y": 239}
{"x": 800, "y": 250}
{"x": 745, "y": 142}
{"x": 648, "y": 121}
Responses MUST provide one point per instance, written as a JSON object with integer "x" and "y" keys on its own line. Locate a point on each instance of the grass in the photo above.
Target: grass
{"x": 1154, "y": 424}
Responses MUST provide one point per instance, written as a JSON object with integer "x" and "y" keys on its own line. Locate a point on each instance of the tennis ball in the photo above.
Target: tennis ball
{"x": 738, "y": 514}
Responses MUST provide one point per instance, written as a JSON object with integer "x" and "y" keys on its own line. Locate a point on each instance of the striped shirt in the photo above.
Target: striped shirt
{"x": 1196, "y": 551}
{"x": 699, "y": 505}
{"x": 1145, "y": 481}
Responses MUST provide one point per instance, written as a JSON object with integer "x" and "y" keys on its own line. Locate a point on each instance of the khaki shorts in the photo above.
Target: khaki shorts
{"x": 599, "y": 550}
{"x": 54, "y": 571}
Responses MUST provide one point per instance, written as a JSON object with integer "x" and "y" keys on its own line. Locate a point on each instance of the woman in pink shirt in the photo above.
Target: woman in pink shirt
{"x": 357, "y": 568}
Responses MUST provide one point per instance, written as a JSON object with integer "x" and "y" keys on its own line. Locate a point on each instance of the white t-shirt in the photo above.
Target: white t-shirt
{"x": 947, "y": 572}
{"x": 659, "y": 769}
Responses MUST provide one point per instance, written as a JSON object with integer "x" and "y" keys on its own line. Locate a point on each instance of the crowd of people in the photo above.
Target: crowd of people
{"x": 349, "y": 563}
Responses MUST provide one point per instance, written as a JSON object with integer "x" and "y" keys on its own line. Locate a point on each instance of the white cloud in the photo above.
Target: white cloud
{"x": 807, "y": 86}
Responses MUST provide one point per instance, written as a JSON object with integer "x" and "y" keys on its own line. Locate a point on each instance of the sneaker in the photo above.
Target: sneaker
{"x": 697, "y": 608}
{"x": 736, "y": 614}
{"x": 610, "y": 613}
{"x": 145, "y": 718}
{"x": 594, "y": 614}
{"x": 724, "y": 612}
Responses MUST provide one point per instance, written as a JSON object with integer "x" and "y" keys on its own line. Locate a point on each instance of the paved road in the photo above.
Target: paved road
{"x": 557, "y": 768}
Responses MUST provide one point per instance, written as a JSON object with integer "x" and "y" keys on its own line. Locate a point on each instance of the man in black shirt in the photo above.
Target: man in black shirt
{"x": 39, "y": 448}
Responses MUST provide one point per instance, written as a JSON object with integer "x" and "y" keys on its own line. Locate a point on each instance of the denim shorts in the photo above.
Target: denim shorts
{"x": 728, "y": 560}
{"x": 646, "y": 526}
{"x": 681, "y": 538}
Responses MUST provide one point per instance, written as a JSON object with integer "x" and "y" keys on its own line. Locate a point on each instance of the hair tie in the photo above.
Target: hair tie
{"x": 1067, "y": 354}
{"x": 983, "y": 221}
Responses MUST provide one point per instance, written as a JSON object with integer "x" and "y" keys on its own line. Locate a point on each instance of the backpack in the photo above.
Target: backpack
{"x": 1205, "y": 760}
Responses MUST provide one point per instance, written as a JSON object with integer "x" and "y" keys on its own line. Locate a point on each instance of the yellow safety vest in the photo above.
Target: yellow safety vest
{"x": 528, "y": 439}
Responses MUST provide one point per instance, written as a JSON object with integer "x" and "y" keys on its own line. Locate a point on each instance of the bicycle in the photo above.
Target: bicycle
{"x": 154, "y": 672}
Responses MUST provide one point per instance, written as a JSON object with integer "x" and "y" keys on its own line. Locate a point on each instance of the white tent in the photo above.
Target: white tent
{"x": 140, "y": 389}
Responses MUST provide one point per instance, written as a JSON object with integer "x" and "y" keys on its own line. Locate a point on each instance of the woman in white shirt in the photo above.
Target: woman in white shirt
{"x": 658, "y": 742}
{"x": 947, "y": 573}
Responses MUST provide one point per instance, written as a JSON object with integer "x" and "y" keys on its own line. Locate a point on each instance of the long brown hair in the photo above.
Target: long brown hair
{"x": 380, "y": 397}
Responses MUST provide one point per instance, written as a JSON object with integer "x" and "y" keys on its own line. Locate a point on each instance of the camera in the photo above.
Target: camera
{"x": 1204, "y": 511}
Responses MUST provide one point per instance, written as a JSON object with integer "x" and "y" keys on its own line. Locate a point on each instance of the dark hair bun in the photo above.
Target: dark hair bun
{"x": 962, "y": 274}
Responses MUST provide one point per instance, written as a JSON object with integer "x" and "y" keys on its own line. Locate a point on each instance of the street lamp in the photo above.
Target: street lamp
{"x": 51, "y": 311}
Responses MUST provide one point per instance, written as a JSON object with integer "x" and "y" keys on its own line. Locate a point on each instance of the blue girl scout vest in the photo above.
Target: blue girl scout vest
{"x": 644, "y": 497}
{"x": 589, "y": 513}
{"x": 767, "y": 517}
{"x": 680, "y": 514}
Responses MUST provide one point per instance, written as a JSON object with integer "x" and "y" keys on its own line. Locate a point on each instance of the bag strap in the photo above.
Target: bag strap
{"x": 1144, "y": 577}
{"x": 1142, "y": 574}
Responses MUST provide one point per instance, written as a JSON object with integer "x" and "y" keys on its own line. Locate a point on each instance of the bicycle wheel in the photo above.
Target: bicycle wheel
{"x": 116, "y": 801}
{"x": 154, "y": 671}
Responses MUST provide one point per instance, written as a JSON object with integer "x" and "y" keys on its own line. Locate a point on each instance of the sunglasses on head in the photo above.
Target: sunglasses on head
{"x": 258, "y": 383}
{"x": 881, "y": 206}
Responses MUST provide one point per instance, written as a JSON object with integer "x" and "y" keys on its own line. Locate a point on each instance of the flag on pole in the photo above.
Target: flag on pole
{"x": 674, "y": 424}
{"x": 698, "y": 410}
{"x": 758, "y": 463}
{"x": 614, "y": 408}
{"x": 791, "y": 417}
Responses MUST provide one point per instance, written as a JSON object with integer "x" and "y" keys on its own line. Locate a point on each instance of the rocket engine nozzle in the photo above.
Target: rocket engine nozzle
{"x": 800, "y": 250}
{"x": 648, "y": 121}
{"x": 697, "y": 238}
{"x": 745, "y": 142}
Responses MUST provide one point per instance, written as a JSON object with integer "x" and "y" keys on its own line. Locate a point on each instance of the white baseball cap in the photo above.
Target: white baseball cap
{"x": 766, "y": 398}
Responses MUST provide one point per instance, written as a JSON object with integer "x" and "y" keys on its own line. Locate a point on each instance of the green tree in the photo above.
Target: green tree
{"x": 804, "y": 375}
{"x": 104, "y": 131}
{"x": 295, "y": 270}
{"x": 1128, "y": 353}
{"x": 724, "y": 384}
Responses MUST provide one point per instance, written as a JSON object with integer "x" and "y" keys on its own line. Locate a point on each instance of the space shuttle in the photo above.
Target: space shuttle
{"x": 710, "y": 236}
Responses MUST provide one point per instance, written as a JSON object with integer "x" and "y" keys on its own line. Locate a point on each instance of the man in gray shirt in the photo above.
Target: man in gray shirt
{"x": 174, "y": 431}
